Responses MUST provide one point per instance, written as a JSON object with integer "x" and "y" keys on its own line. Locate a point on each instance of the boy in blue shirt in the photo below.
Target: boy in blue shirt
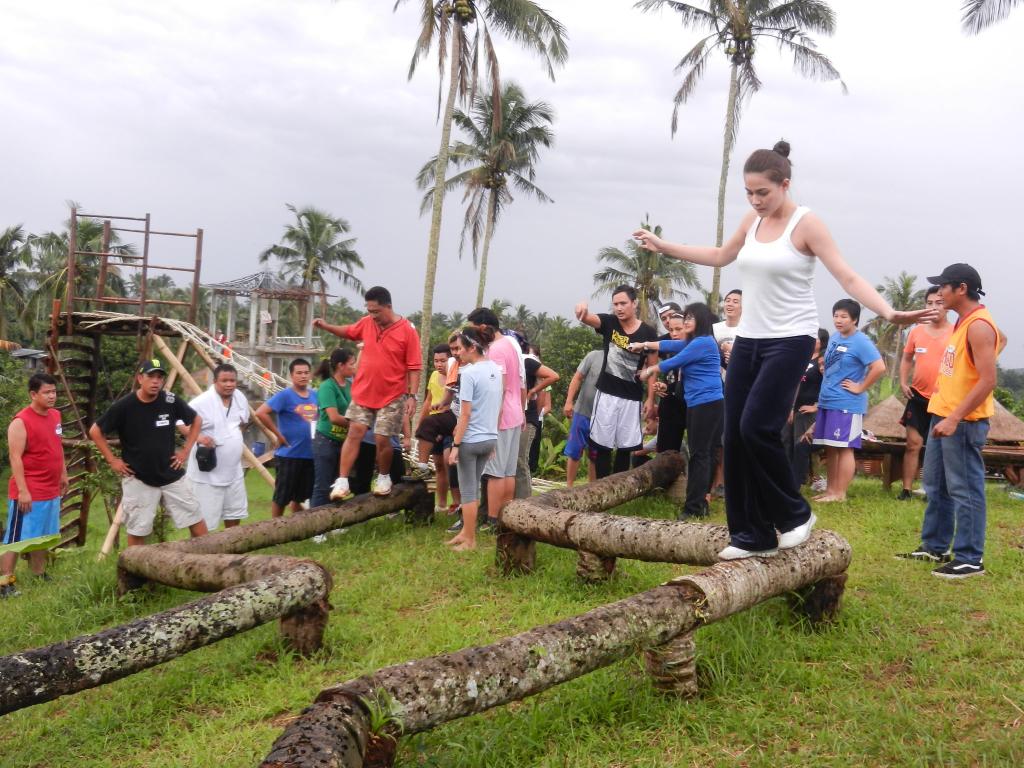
{"x": 852, "y": 365}
{"x": 296, "y": 410}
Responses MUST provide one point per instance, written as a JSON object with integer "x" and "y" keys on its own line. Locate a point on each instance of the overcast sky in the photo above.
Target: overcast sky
{"x": 217, "y": 114}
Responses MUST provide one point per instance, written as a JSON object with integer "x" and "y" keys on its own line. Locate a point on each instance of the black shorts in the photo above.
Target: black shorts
{"x": 436, "y": 427}
{"x": 916, "y": 414}
{"x": 293, "y": 481}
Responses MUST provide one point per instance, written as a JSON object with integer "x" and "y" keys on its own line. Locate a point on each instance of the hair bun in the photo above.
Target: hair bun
{"x": 782, "y": 147}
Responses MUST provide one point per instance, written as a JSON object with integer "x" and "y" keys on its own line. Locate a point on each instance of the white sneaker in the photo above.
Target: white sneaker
{"x": 320, "y": 538}
{"x": 798, "y": 535}
{"x": 381, "y": 485}
{"x": 735, "y": 553}
{"x": 339, "y": 489}
{"x": 819, "y": 485}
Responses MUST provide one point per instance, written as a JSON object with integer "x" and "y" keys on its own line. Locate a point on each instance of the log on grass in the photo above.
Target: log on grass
{"x": 43, "y": 674}
{"x": 432, "y": 691}
{"x": 536, "y": 514}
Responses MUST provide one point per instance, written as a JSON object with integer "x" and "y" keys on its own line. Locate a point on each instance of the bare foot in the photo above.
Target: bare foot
{"x": 455, "y": 540}
{"x": 463, "y": 546}
{"x": 829, "y": 499}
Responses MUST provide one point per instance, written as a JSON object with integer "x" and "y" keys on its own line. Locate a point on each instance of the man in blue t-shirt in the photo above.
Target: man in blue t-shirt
{"x": 296, "y": 410}
{"x": 852, "y": 365}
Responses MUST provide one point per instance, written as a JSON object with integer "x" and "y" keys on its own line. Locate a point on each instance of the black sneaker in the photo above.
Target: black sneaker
{"x": 44, "y": 577}
{"x": 905, "y": 495}
{"x": 957, "y": 569}
{"x": 456, "y": 526}
{"x": 489, "y": 526}
{"x": 925, "y": 555}
{"x": 9, "y": 590}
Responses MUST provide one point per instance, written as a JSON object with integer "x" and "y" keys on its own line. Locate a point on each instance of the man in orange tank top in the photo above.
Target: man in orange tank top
{"x": 961, "y": 406}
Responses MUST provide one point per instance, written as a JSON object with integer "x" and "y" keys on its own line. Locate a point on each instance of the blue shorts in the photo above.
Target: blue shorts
{"x": 838, "y": 429}
{"x": 579, "y": 431}
{"x": 42, "y": 520}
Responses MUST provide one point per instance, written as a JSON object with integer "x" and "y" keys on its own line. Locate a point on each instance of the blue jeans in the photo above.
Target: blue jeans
{"x": 954, "y": 479}
{"x": 326, "y": 453}
{"x": 761, "y": 497}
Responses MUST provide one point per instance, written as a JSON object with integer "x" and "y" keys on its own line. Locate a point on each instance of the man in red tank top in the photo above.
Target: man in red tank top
{"x": 38, "y": 478}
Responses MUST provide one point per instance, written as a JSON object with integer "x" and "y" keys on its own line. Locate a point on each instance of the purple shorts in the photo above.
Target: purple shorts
{"x": 838, "y": 429}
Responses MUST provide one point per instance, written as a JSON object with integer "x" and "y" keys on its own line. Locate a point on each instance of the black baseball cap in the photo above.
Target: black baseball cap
{"x": 153, "y": 364}
{"x": 955, "y": 274}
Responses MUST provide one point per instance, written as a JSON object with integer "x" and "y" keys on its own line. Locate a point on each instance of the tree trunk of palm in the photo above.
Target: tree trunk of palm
{"x": 492, "y": 202}
{"x": 438, "y": 202}
{"x": 730, "y": 127}
{"x": 3, "y": 316}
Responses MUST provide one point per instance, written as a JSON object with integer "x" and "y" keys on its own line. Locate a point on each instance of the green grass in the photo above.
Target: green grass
{"x": 917, "y": 671}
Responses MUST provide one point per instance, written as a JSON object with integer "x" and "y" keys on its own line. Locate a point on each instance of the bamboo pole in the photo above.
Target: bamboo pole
{"x": 180, "y": 357}
{"x": 115, "y": 527}
{"x": 192, "y": 386}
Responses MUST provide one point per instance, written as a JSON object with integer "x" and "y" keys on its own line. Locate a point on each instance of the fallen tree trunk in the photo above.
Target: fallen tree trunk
{"x": 253, "y": 589}
{"x": 43, "y": 674}
{"x": 537, "y": 518}
{"x": 435, "y": 690}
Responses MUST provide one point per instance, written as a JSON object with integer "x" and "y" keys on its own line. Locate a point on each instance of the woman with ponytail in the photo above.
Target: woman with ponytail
{"x": 476, "y": 432}
{"x": 776, "y": 249}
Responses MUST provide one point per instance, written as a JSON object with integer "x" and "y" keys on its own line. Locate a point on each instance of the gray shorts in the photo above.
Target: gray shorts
{"x": 472, "y": 458}
{"x": 506, "y": 453}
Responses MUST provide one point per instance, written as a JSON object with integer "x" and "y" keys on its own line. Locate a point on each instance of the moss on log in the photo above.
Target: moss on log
{"x": 43, "y": 674}
{"x": 249, "y": 590}
{"x": 435, "y": 690}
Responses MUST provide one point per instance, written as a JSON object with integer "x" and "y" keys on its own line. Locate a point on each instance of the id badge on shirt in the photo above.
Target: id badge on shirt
{"x": 163, "y": 420}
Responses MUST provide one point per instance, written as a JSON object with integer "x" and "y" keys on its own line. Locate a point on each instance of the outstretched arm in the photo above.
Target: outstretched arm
{"x": 337, "y": 330}
{"x": 820, "y": 243}
{"x": 695, "y": 254}
{"x": 585, "y": 316}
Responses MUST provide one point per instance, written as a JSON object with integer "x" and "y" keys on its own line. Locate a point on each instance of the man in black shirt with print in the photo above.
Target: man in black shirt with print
{"x": 151, "y": 468}
{"x": 616, "y": 420}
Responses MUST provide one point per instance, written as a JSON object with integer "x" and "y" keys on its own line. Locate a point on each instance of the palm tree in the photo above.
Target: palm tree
{"x": 654, "y": 276}
{"x": 901, "y": 295}
{"x": 498, "y": 154}
{"x": 14, "y": 252}
{"x": 523, "y": 21}
{"x": 500, "y": 308}
{"x": 313, "y": 248}
{"x": 980, "y": 14}
{"x": 734, "y": 26}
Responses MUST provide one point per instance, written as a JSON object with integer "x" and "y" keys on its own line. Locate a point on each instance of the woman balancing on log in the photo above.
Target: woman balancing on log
{"x": 775, "y": 247}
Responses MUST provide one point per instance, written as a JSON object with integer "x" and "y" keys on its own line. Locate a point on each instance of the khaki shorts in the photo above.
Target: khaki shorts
{"x": 386, "y": 421}
{"x": 221, "y": 502}
{"x": 140, "y": 501}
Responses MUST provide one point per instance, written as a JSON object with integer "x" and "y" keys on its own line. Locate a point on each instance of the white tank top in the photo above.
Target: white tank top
{"x": 778, "y": 286}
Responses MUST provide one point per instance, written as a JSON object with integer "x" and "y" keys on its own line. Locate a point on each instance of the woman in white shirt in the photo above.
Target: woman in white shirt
{"x": 775, "y": 249}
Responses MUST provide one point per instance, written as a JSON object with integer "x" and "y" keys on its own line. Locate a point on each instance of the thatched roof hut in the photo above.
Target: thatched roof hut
{"x": 884, "y": 421}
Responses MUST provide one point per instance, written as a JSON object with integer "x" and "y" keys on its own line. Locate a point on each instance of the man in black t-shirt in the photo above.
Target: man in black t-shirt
{"x": 616, "y": 421}
{"x": 152, "y": 469}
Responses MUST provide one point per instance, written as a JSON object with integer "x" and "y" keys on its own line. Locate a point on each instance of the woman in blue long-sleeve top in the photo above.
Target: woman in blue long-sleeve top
{"x": 699, "y": 364}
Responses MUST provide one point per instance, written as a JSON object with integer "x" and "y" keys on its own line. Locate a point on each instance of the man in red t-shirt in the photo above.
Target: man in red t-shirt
{"x": 38, "y": 478}
{"x": 384, "y": 391}
{"x": 926, "y": 344}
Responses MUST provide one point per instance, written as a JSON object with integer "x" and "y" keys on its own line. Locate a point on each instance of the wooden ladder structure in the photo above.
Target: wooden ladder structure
{"x": 74, "y": 351}
{"x": 74, "y": 360}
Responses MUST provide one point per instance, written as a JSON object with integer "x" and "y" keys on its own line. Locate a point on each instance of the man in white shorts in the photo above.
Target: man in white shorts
{"x": 615, "y": 424}
{"x": 152, "y": 470}
{"x": 225, "y": 413}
